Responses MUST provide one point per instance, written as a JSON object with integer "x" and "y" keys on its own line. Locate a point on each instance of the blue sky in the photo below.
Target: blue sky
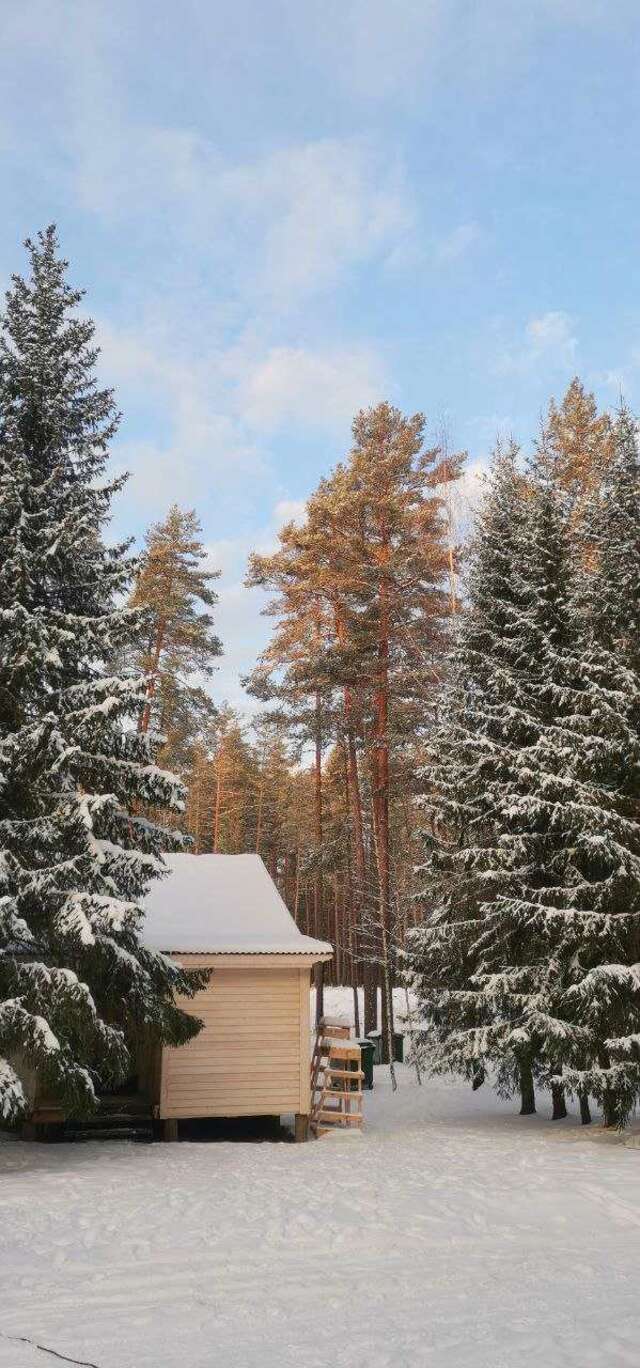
{"x": 282, "y": 211}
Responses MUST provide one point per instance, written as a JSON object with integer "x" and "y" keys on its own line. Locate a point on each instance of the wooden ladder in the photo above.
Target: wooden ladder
{"x": 336, "y": 1080}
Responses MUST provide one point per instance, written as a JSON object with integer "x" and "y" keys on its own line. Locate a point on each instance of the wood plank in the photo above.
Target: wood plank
{"x": 241, "y": 1072}
{"x": 235, "y": 1059}
{"x": 282, "y": 1054}
{"x": 228, "y": 1033}
{"x": 221, "y": 1101}
{"x": 203, "y": 1082}
{"x": 196, "y": 1105}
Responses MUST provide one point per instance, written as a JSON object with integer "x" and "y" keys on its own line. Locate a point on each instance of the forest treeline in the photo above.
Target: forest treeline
{"x": 344, "y": 780}
{"x": 440, "y": 767}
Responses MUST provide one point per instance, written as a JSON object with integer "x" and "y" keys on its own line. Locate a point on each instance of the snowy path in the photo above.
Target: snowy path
{"x": 452, "y": 1233}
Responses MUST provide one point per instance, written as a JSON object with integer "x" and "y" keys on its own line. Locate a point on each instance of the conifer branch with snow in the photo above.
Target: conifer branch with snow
{"x": 77, "y": 988}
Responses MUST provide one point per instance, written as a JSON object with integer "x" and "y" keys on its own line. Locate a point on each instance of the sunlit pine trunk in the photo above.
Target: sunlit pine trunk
{"x": 354, "y": 799}
{"x": 381, "y": 798}
{"x": 220, "y": 767}
{"x": 350, "y": 903}
{"x": 145, "y": 716}
{"x": 337, "y": 938}
{"x": 197, "y": 811}
{"x": 296, "y": 898}
{"x": 318, "y": 833}
{"x": 259, "y": 811}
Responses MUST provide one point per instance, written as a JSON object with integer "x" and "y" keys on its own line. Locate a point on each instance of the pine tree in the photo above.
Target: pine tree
{"x": 77, "y": 989}
{"x": 579, "y": 440}
{"x": 392, "y": 562}
{"x": 291, "y": 674}
{"x": 179, "y": 640}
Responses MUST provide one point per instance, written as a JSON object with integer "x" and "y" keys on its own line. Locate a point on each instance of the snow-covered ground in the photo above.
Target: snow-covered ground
{"x": 452, "y": 1233}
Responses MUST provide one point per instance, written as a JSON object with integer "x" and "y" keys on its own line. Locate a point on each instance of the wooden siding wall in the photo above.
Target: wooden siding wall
{"x": 252, "y": 1055}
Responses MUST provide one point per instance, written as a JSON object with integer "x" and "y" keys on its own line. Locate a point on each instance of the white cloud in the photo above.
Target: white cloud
{"x": 551, "y": 335}
{"x": 463, "y": 497}
{"x": 468, "y": 492}
{"x": 290, "y": 510}
{"x": 458, "y": 242}
{"x": 549, "y": 342}
{"x": 216, "y": 407}
{"x": 243, "y": 632}
{"x": 204, "y": 442}
{"x": 623, "y": 380}
{"x": 283, "y": 226}
{"x": 240, "y": 622}
{"x": 328, "y": 205}
{"x": 317, "y": 389}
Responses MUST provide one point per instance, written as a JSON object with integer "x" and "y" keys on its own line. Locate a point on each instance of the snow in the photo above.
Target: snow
{"x": 223, "y": 904}
{"x": 12, "y": 1096}
{"x": 452, "y": 1233}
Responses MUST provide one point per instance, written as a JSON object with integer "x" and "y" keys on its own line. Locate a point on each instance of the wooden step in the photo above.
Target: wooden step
{"x": 341, "y": 1092}
{"x": 354, "y": 1074}
{"x": 330, "y": 1118}
{"x": 140, "y": 1135}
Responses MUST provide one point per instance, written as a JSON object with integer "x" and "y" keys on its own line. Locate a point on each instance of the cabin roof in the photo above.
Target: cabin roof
{"x": 222, "y": 904}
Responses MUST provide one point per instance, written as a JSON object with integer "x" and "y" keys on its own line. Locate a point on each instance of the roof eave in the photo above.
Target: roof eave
{"x": 295, "y": 958}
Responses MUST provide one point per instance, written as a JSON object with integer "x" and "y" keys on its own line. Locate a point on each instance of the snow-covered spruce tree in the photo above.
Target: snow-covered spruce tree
{"x": 543, "y": 837}
{"x": 612, "y": 544}
{"x": 573, "y": 834}
{"x": 606, "y": 713}
{"x": 483, "y": 727}
{"x": 76, "y": 986}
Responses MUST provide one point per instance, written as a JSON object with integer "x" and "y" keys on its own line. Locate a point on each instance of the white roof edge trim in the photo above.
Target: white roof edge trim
{"x": 321, "y": 948}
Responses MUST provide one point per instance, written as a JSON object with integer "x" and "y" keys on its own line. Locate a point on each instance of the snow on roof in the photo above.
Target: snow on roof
{"x": 222, "y": 904}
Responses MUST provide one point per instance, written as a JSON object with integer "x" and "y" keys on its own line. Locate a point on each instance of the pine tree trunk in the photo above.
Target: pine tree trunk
{"x": 354, "y": 798}
{"x": 197, "y": 812}
{"x": 381, "y": 808}
{"x": 387, "y": 1012}
{"x": 527, "y": 1090}
{"x": 609, "y": 1110}
{"x": 336, "y": 928}
{"x": 318, "y": 889}
{"x": 259, "y": 813}
{"x": 585, "y": 1110}
{"x": 319, "y": 980}
{"x": 609, "y": 1107}
{"x": 356, "y": 1010}
{"x": 296, "y": 898}
{"x": 218, "y": 802}
{"x": 353, "y": 940}
{"x": 414, "y": 1038}
{"x": 145, "y": 718}
{"x": 559, "y": 1110}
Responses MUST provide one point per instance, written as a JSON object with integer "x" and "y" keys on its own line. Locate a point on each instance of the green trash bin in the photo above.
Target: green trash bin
{"x": 398, "y": 1046}
{"x": 367, "y": 1050}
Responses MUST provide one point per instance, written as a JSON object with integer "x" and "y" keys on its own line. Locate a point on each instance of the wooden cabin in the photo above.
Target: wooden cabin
{"x": 224, "y": 913}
